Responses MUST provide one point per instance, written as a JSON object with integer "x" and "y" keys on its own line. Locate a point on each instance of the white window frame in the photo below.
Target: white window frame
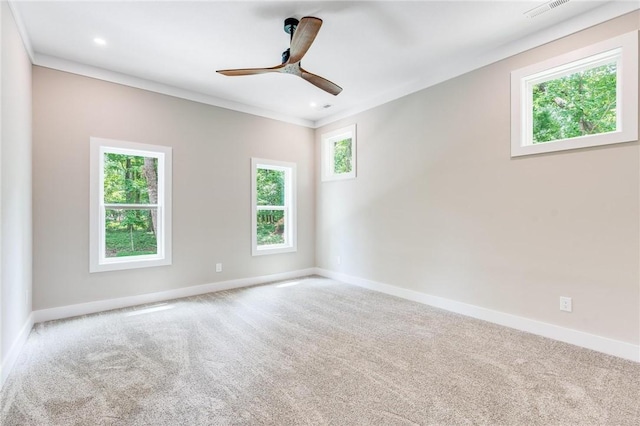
{"x": 328, "y": 141}
{"x": 290, "y": 210}
{"x": 98, "y": 261}
{"x": 623, "y": 49}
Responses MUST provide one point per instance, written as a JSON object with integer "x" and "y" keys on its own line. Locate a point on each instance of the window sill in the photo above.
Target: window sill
{"x": 274, "y": 249}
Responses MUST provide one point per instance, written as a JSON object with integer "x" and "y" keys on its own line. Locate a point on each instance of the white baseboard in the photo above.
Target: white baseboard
{"x": 590, "y": 341}
{"x": 579, "y": 338}
{"x": 124, "y": 302}
{"x": 16, "y": 347}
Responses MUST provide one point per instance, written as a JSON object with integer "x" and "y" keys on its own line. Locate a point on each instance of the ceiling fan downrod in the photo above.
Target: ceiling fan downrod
{"x": 290, "y": 25}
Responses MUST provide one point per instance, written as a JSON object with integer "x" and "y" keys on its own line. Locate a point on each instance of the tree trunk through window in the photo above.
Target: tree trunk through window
{"x": 150, "y": 174}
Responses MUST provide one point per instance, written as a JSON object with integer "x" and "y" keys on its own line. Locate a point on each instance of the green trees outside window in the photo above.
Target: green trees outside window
{"x": 342, "y": 156}
{"x": 583, "y": 98}
{"x": 338, "y": 154}
{"x": 130, "y": 181}
{"x": 270, "y": 194}
{"x": 579, "y": 104}
{"x": 273, "y": 206}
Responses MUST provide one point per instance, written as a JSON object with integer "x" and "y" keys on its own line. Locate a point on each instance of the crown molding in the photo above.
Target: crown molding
{"x": 165, "y": 89}
{"x": 593, "y": 17}
{"x": 578, "y": 23}
{"x": 60, "y": 64}
{"x": 21, "y": 29}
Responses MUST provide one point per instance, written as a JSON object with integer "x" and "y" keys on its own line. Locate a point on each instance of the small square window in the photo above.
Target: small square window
{"x": 585, "y": 98}
{"x": 339, "y": 154}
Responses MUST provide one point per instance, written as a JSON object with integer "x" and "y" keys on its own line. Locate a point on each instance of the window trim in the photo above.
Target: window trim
{"x": 98, "y": 262}
{"x": 328, "y": 153}
{"x": 290, "y": 207}
{"x": 523, "y": 79}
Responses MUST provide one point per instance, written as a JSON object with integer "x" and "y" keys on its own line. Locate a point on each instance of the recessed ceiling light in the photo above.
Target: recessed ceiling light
{"x": 100, "y": 41}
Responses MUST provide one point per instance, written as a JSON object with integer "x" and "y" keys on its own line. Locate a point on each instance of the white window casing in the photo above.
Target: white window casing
{"x": 623, "y": 50}
{"x": 288, "y": 207}
{"x": 327, "y": 149}
{"x": 99, "y": 262}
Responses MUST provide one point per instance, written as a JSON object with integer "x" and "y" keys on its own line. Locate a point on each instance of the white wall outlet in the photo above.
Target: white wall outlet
{"x": 565, "y": 304}
{"x": 339, "y": 260}
{"x": 218, "y": 267}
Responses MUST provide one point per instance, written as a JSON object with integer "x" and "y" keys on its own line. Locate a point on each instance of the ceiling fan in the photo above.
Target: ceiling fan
{"x": 302, "y": 34}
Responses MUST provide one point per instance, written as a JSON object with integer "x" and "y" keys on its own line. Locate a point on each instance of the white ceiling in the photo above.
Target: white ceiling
{"x": 376, "y": 51}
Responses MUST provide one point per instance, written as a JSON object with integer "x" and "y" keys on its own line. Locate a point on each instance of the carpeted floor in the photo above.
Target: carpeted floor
{"x": 308, "y": 352}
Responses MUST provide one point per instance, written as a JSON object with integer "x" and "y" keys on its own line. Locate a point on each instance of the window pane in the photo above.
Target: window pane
{"x": 270, "y": 228}
{"x": 270, "y": 187}
{"x": 130, "y": 179}
{"x": 342, "y": 156}
{"x": 579, "y": 104}
{"x": 130, "y": 232}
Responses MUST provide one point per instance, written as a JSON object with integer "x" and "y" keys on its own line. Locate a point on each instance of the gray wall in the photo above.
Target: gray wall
{"x": 212, "y": 148}
{"x": 15, "y": 183}
{"x": 440, "y": 207}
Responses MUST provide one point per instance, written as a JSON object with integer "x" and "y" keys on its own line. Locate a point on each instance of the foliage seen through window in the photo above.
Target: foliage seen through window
{"x": 342, "y": 156}
{"x": 270, "y": 188}
{"x": 579, "y": 104}
{"x": 131, "y": 180}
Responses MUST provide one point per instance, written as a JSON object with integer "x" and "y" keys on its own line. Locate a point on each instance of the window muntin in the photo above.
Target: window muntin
{"x": 585, "y": 98}
{"x": 273, "y": 202}
{"x": 130, "y": 205}
{"x": 339, "y": 154}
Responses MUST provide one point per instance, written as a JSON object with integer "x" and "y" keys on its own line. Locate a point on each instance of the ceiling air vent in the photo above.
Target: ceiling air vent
{"x": 537, "y": 11}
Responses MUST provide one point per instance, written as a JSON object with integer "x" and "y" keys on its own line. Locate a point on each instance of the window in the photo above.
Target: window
{"x": 339, "y": 154}
{"x": 130, "y": 205}
{"x": 273, "y": 189}
{"x": 585, "y": 98}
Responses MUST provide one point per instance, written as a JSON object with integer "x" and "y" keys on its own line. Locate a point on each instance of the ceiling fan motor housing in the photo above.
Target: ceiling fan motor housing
{"x": 290, "y": 25}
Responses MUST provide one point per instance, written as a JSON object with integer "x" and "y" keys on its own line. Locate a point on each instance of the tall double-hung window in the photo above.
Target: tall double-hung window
{"x": 130, "y": 199}
{"x": 273, "y": 189}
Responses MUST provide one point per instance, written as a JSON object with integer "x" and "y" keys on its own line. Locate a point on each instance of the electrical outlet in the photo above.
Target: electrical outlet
{"x": 218, "y": 267}
{"x": 565, "y": 304}
{"x": 339, "y": 260}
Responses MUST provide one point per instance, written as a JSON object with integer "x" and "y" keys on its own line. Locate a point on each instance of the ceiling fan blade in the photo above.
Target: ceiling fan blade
{"x": 250, "y": 71}
{"x": 303, "y": 36}
{"x": 320, "y": 82}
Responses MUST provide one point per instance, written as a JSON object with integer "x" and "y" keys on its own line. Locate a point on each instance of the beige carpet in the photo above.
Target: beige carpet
{"x": 317, "y": 352}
